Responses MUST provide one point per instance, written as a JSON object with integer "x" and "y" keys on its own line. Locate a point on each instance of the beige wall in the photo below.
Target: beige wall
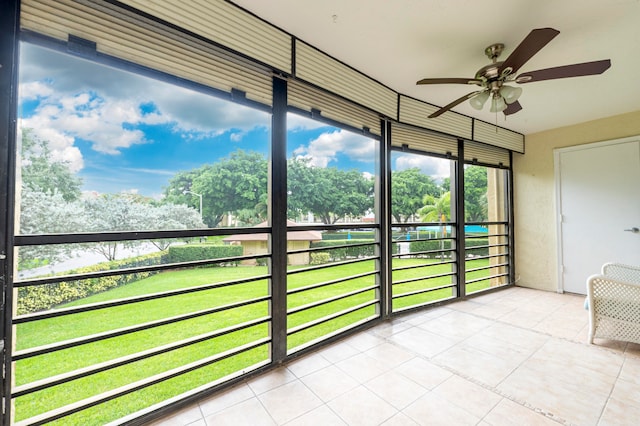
{"x": 534, "y": 194}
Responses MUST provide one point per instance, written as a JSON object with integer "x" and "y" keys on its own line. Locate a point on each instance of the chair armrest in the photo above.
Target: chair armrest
{"x": 622, "y": 272}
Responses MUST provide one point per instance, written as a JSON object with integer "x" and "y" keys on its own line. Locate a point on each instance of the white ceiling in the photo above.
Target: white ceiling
{"x": 398, "y": 42}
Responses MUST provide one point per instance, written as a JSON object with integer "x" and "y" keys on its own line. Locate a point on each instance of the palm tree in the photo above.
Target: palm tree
{"x": 435, "y": 208}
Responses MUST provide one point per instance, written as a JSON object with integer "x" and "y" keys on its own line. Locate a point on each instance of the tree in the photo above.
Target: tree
{"x": 236, "y": 183}
{"x": 435, "y": 208}
{"x": 329, "y": 193}
{"x": 475, "y": 194}
{"x": 408, "y": 188}
{"x": 125, "y": 212}
{"x": 43, "y": 213}
{"x": 40, "y": 173}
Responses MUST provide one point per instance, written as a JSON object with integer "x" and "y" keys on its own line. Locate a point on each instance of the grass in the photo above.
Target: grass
{"x": 73, "y": 326}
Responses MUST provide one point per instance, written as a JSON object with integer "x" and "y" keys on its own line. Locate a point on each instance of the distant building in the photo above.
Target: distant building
{"x": 257, "y": 244}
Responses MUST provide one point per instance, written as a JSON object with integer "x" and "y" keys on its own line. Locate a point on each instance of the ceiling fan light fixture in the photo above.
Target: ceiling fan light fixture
{"x": 510, "y": 94}
{"x": 478, "y": 101}
{"x": 497, "y": 103}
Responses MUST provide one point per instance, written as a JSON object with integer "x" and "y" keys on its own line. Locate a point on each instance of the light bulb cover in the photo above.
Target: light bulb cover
{"x": 498, "y": 104}
{"x": 510, "y": 94}
{"x": 479, "y": 100}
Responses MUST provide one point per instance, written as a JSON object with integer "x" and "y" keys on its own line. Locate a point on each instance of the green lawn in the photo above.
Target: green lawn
{"x": 68, "y": 327}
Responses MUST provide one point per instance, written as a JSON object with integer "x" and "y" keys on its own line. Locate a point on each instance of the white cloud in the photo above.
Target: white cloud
{"x": 296, "y": 123}
{"x": 326, "y": 147}
{"x": 34, "y": 90}
{"x": 436, "y": 167}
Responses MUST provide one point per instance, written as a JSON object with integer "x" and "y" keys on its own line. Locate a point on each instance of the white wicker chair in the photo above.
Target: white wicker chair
{"x": 614, "y": 303}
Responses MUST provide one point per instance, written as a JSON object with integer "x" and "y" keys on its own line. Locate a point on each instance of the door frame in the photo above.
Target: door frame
{"x": 558, "y": 196}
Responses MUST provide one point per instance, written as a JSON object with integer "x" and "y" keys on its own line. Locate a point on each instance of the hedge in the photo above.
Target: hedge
{"x": 420, "y": 246}
{"x": 43, "y": 297}
{"x": 346, "y": 252}
{"x": 189, "y": 252}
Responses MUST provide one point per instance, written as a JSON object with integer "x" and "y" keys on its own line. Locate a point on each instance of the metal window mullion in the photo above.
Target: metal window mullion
{"x": 9, "y": 39}
{"x": 460, "y": 220}
{"x": 278, "y": 221}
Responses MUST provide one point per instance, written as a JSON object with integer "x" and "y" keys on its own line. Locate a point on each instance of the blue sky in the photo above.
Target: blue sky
{"x": 122, "y": 132}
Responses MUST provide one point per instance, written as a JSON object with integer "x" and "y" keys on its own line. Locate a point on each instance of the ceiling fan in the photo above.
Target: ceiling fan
{"x": 493, "y": 78}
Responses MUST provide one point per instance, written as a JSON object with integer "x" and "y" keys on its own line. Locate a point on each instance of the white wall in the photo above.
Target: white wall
{"x": 534, "y": 194}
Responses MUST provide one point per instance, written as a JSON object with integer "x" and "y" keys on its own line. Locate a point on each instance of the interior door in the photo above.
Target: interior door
{"x": 599, "y": 206}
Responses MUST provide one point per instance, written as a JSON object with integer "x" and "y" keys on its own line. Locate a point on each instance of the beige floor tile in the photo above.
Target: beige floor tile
{"x": 390, "y": 354}
{"x": 433, "y": 410}
{"x": 422, "y": 342}
{"x": 589, "y": 356}
{"x": 289, "y": 401}
{"x": 389, "y": 328}
{"x": 400, "y": 419}
{"x": 396, "y": 389}
{"x": 423, "y": 372}
{"x": 362, "y": 367}
{"x": 517, "y": 337}
{"x": 361, "y": 406}
{"x": 457, "y": 325}
{"x": 627, "y": 393}
{"x": 307, "y": 364}
{"x": 522, "y": 317}
{"x": 563, "y": 400}
{"x": 322, "y": 415}
{"x": 338, "y": 352}
{"x": 469, "y": 361}
{"x": 618, "y": 413}
{"x": 509, "y": 413}
{"x": 225, "y": 399}
{"x": 247, "y": 413}
{"x": 271, "y": 380}
{"x": 364, "y": 341}
{"x": 631, "y": 370}
{"x": 329, "y": 383}
{"x": 469, "y": 396}
{"x": 183, "y": 417}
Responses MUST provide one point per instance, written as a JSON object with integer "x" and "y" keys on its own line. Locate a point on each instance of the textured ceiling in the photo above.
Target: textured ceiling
{"x": 401, "y": 41}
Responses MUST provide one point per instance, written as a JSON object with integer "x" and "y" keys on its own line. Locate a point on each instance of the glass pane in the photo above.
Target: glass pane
{"x": 331, "y": 177}
{"x": 423, "y": 262}
{"x": 486, "y": 235}
{"x": 104, "y": 150}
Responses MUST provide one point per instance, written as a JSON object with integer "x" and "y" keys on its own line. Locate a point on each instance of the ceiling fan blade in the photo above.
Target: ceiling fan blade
{"x": 454, "y": 103}
{"x": 566, "y": 71}
{"x": 512, "y": 108}
{"x": 536, "y": 40}
{"x": 449, "y": 81}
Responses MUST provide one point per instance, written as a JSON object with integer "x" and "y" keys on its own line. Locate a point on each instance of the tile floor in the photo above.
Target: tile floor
{"x": 514, "y": 357}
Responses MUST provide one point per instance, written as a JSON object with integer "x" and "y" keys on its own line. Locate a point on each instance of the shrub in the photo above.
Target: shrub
{"x": 190, "y": 252}
{"x": 420, "y": 246}
{"x": 346, "y": 252}
{"x": 320, "y": 258}
{"x": 42, "y": 297}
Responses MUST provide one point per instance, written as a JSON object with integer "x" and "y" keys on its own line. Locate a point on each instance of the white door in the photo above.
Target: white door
{"x": 599, "y": 207}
